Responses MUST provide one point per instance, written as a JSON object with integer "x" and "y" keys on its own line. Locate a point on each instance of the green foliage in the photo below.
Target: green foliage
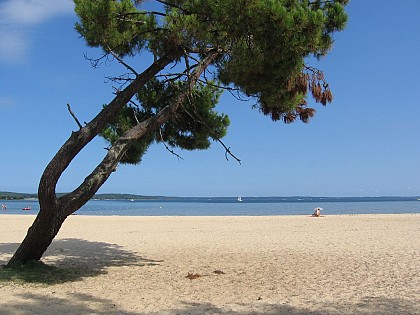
{"x": 263, "y": 46}
{"x": 113, "y": 25}
{"x": 197, "y": 121}
{"x": 272, "y": 40}
{"x": 190, "y": 129}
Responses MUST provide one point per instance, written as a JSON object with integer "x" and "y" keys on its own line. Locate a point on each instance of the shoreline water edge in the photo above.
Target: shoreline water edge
{"x": 230, "y": 206}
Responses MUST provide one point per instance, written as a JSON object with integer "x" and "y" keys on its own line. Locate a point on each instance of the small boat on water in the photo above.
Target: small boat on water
{"x": 26, "y": 208}
{"x": 239, "y": 199}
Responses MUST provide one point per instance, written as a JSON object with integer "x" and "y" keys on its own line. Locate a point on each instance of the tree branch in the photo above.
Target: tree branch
{"x": 101, "y": 173}
{"x": 166, "y": 146}
{"x": 74, "y": 116}
{"x": 96, "y": 62}
{"x": 227, "y": 88}
{"x": 123, "y": 77}
{"x": 174, "y": 6}
{"x": 123, "y": 15}
{"x": 122, "y": 61}
{"x": 321, "y": 2}
{"x": 78, "y": 140}
{"x": 228, "y": 152}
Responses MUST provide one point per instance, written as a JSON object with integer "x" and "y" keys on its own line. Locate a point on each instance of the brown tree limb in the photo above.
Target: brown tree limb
{"x": 121, "y": 61}
{"x": 53, "y": 210}
{"x": 79, "y": 139}
{"x": 228, "y": 152}
{"x": 227, "y": 149}
{"x": 95, "y": 62}
{"x": 167, "y": 147}
{"x": 74, "y": 116}
{"x": 101, "y": 173}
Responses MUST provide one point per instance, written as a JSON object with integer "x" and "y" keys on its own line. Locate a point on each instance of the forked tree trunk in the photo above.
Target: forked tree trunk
{"x": 53, "y": 210}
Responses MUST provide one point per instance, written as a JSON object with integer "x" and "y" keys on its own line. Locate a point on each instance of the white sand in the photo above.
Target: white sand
{"x": 360, "y": 264}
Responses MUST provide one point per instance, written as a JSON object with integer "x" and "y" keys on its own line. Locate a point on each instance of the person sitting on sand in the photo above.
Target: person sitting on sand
{"x": 317, "y": 212}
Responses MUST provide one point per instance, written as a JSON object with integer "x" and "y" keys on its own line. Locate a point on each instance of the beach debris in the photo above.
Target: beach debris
{"x": 193, "y": 276}
{"x": 219, "y": 272}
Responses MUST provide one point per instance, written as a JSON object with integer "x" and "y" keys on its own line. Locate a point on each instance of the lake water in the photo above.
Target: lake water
{"x": 230, "y": 206}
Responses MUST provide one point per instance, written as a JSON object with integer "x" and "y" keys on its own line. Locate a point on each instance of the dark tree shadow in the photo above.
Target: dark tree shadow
{"x": 75, "y": 303}
{"x": 368, "y": 306}
{"x": 73, "y": 259}
{"x": 78, "y": 303}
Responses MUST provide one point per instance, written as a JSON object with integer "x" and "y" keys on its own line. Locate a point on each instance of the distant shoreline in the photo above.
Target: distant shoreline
{"x": 133, "y": 197}
{"x": 4, "y": 195}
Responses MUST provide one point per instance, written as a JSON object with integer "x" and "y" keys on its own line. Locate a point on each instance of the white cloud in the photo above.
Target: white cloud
{"x": 18, "y": 17}
{"x": 34, "y": 11}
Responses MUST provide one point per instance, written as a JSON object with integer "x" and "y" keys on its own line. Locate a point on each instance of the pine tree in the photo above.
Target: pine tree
{"x": 257, "y": 48}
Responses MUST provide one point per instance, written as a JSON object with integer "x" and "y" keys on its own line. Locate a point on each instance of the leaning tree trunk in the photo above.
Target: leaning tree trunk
{"x": 39, "y": 237}
{"x": 53, "y": 210}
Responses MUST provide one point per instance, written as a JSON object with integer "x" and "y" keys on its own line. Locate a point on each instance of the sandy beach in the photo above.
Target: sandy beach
{"x": 348, "y": 264}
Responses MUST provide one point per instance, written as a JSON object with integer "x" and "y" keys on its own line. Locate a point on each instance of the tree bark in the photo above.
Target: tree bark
{"x": 39, "y": 237}
{"x": 53, "y": 210}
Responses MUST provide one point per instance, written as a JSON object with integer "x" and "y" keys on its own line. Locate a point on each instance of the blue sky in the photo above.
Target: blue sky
{"x": 366, "y": 143}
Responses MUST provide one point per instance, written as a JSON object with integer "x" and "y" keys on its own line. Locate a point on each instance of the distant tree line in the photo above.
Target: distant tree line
{"x": 16, "y": 196}
{"x": 4, "y": 197}
{"x": 20, "y": 196}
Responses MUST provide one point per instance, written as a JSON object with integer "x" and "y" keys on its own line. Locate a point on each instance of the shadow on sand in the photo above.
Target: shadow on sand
{"x": 74, "y": 259}
{"x": 74, "y": 303}
{"x": 77, "y": 303}
{"x": 71, "y": 260}
{"x": 368, "y": 306}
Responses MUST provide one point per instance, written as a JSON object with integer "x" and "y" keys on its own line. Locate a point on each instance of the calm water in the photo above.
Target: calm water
{"x": 230, "y": 206}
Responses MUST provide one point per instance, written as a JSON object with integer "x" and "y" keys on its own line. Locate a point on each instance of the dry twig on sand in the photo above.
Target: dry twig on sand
{"x": 192, "y": 276}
